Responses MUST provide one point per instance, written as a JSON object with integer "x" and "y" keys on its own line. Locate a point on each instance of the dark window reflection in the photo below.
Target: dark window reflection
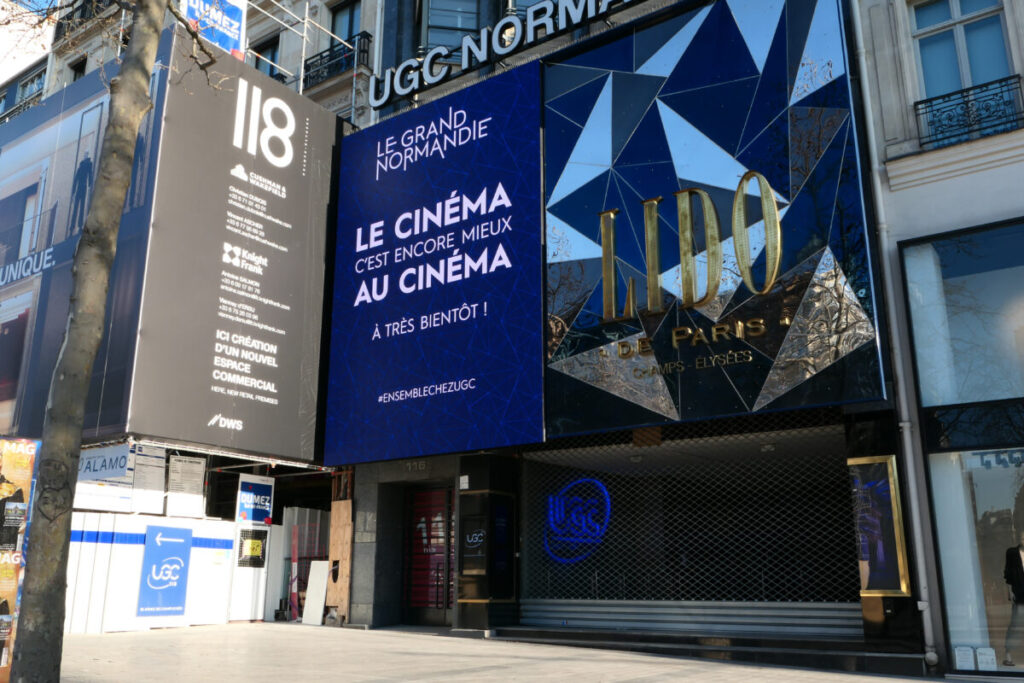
{"x": 967, "y": 311}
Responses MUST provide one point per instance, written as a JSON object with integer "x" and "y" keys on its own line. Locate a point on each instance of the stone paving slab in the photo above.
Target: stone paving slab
{"x": 291, "y": 652}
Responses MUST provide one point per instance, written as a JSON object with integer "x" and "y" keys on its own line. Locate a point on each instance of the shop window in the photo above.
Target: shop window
{"x": 965, "y": 71}
{"x": 967, "y": 314}
{"x": 345, "y": 22}
{"x": 979, "y": 515}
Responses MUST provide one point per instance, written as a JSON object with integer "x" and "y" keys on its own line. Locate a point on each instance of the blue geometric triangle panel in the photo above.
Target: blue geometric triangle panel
{"x": 707, "y": 245}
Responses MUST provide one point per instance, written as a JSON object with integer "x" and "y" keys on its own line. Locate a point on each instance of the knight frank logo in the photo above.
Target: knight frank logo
{"x": 244, "y": 259}
{"x": 578, "y": 517}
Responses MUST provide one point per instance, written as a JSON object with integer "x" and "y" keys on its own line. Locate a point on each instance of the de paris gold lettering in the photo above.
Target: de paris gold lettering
{"x": 687, "y": 261}
{"x": 740, "y": 329}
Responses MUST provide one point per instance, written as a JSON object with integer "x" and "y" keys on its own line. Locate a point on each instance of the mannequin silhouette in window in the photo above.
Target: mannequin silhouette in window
{"x": 80, "y": 188}
{"x": 1013, "y": 573}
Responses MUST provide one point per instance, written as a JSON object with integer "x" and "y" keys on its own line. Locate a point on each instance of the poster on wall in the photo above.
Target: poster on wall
{"x": 882, "y": 551}
{"x": 163, "y": 586}
{"x": 255, "y": 500}
{"x": 186, "y": 486}
{"x": 707, "y": 250}
{"x": 126, "y": 477}
{"x": 17, "y": 476}
{"x": 437, "y": 313}
{"x": 252, "y": 548}
{"x": 230, "y": 358}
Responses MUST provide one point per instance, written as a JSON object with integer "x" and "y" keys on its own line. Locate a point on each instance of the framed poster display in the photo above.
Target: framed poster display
{"x": 882, "y": 550}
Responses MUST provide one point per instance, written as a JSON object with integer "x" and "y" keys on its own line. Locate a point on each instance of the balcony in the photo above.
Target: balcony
{"x": 21, "y": 106}
{"x": 972, "y": 113}
{"x": 80, "y": 12}
{"x": 336, "y": 60}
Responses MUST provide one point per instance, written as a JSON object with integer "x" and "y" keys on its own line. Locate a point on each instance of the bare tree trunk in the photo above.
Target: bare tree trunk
{"x": 40, "y": 628}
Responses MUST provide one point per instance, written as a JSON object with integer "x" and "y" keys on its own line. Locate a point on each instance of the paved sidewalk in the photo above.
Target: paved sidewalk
{"x": 291, "y": 652}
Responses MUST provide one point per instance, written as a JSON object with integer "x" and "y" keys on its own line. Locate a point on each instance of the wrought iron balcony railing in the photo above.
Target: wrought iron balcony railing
{"x": 971, "y": 113}
{"x": 336, "y": 60}
{"x": 79, "y": 13}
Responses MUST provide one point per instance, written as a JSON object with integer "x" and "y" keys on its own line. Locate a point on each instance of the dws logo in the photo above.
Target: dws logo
{"x": 167, "y": 575}
{"x": 279, "y": 154}
{"x": 226, "y": 423}
{"x": 578, "y": 517}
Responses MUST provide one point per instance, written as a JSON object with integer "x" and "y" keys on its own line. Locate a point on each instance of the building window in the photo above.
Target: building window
{"x": 345, "y": 22}
{"x": 31, "y": 85}
{"x": 267, "y": 57}
{"x": 961, "y": 43}
{"x": 78, "y": 69}
{"x": 449, "y": 20}
{"x": 965, "y": 71}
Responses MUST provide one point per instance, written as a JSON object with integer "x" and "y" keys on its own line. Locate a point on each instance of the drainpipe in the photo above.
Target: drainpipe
{"x": 902, "y": 401}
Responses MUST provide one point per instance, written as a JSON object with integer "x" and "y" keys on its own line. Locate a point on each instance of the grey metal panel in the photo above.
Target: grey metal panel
{"x": 838, "y": 620}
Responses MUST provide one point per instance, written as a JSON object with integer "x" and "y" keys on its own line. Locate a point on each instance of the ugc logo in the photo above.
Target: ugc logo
{"x": 578, "y": 517}
{"x": 165, "y": 574}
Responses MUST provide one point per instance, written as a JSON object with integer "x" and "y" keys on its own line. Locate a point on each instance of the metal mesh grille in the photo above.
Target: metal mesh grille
{"x": 703, "y": 516}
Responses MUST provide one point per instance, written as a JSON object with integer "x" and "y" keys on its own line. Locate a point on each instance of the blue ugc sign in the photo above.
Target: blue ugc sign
{"x": 578, "y": 517}
{"x": 163, "y": 585}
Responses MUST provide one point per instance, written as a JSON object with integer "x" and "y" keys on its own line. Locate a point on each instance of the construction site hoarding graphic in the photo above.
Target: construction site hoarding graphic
{"x": 48, "y": 158}
{"x": 232, "y": 258}
{"x": 234, "y": 277}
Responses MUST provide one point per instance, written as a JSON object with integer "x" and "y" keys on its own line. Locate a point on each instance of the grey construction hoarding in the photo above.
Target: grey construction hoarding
{"x": 229, "y": 332}
{"x": 213, "y": 315}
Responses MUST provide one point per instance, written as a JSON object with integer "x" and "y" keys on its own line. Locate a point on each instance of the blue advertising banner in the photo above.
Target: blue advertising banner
{"x": 222, "y": 22}
{"x": 164, "y": 583}
{"x": 48, "y": 171}
{"x": 255, "y": 501}
{"x": 437, "y": 333}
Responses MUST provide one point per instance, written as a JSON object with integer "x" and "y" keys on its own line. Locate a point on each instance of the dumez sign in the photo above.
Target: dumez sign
{"x": 437, "y": 323}
{"x": 222, "y": 22}
{"x": 255, "y": 501}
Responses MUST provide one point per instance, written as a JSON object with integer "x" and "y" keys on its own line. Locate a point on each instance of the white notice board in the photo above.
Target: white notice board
{"x": 185, "y": 475}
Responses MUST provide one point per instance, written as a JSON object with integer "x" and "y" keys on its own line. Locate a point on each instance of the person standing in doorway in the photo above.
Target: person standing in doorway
{"x": 1013, "y": 574}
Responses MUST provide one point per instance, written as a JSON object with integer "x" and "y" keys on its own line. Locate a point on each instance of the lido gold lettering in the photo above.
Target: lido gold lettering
{"x": 687, "y": 261}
